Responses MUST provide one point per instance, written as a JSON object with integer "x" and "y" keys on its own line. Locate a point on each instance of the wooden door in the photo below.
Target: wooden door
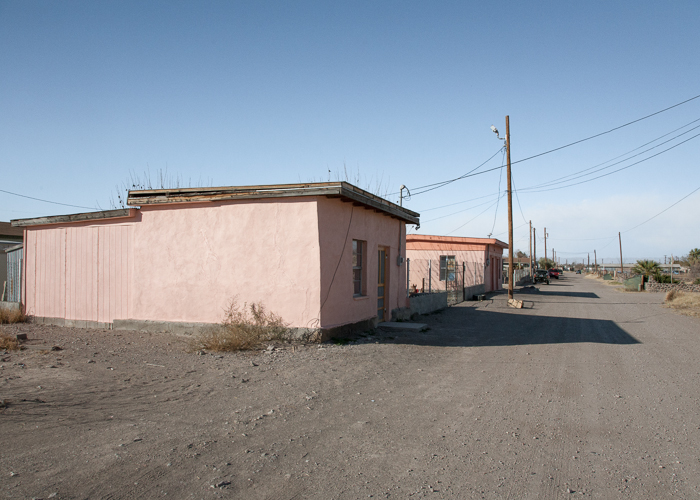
{"x": 381, "y": 282}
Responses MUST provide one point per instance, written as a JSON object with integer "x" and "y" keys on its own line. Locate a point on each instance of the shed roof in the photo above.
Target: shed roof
{"x": 8, "y": 232}
{"x": 342, "y": 190}
{"x": 82, "y": 217}
{"x": 455, "y": 240}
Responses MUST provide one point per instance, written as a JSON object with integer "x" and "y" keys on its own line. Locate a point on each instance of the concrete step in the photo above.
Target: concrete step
{"x": 402, "y": 325}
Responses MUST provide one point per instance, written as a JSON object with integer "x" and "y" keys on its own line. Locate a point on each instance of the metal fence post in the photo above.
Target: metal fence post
{"x": 408, "y": 277}
{"x": 430, "y": 276}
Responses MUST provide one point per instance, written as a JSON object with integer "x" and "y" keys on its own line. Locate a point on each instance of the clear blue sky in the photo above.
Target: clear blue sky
{"x": 237, "y": 93}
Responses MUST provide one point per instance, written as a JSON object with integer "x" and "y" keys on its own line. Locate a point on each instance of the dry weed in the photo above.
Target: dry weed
{"x": 12, "y": 316}
{"x": 244, "y": 327}
{"x": 8, "y": 342}
{"x": 687, "y": 303}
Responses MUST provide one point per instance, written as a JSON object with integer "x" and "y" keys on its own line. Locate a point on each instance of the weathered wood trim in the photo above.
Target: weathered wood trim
{"x": 58, "y": 219}
{"x": 344, "y": 190}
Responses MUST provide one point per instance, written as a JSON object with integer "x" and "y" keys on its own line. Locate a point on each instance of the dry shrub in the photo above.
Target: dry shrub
{"x": 244, "y": 327}
{"x": 685, "y": 302}
{"x": 8, "y": 342}
{"x": 8, "y": 316}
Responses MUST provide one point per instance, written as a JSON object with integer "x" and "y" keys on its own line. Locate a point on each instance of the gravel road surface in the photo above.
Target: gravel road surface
{"x": 586, "y": 392}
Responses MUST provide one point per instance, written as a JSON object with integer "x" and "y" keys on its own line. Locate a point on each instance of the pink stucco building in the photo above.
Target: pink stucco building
{"x": 482, "y": 259}
{"x": 324, "y": 256}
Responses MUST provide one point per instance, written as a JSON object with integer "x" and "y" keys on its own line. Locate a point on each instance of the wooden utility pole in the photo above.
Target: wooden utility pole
{"x": 510, "y": 216}
{"x": 588, "y": 267}
{"x": 531, "y": 249}
{"x": 545, "y": 248}
{"x": 595, "y": 259}
{"x": 622, "y": 266}
{"x": 534, "y": 245}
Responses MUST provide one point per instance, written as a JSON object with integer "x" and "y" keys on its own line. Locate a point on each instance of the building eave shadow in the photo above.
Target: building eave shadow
{"x": 468, "y": 327}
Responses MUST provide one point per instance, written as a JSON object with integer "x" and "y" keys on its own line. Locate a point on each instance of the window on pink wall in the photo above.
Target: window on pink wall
{"x": 358, "y": 268}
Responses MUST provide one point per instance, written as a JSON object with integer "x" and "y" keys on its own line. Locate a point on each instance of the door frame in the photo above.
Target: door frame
{"x": 385, "y": 249}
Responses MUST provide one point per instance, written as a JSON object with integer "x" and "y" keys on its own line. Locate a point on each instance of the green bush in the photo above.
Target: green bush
{"x": 662, "y": 278}
{"x": 696, "y": 282}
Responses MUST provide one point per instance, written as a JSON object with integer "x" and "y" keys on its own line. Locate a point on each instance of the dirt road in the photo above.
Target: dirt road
{"x": 587, "y": 392}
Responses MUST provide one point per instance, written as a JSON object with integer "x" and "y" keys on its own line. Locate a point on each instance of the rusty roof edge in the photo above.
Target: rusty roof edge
{"x": 344, "y": 189}
{"x": 433, "y": 238}
{"x": 86, "y": 216}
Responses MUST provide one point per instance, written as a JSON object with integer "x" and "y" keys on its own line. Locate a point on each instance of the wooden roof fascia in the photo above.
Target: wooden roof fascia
{"x": 87, "y": 216}
{"x": 341, "y": 190}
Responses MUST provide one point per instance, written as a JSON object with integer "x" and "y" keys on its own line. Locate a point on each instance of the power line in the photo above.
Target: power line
{"x": 533, "y": 190}
{"x": 655, "y": 216}
{"x": 458, "y": 212}
{"x": 449, "y": 181}
{"x": 500, "y": 177}
{"x": 575, "y": 175}
{"x": 481, "y": 213}
{"x": 47, "y": 201}
{"x": 512, "y": 179}
{"x": 606, "y": 132}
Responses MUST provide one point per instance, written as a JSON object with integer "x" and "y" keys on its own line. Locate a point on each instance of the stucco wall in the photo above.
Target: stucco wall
{"x": 178, "y": 263}
{"x": 339, "y": 223}
{"x": 191, "y": 260}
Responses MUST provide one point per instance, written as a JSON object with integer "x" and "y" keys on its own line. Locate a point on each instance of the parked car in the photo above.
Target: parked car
{"x": 578, "y": 272}
{"x": 541, "y": 276}
{"x": 554, "y": 273}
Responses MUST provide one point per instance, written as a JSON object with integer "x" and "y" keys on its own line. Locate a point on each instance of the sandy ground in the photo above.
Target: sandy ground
{"x": 586, "y": 392}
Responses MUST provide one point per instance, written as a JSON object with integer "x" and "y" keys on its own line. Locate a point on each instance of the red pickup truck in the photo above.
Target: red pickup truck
{"x": 554, "y": 273}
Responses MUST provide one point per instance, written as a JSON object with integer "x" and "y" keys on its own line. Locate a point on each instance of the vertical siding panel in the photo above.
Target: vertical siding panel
{"x": 102, "y": 273}
{"x": 29, "y": 272}
{"x": 41, "y": 282}
{"x": 92, "y": 284}
{"x": 63, "y": 274}
{"x": 113, "y": 272}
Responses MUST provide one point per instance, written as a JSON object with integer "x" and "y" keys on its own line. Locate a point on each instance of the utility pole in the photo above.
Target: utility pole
{"x": 622, "y": 266}
{"x": 671, "y": 270}
{"x": 595, "y": 258}
{"x": 534, "y": 245}
{"x": 588, "y": 267}
{"x": 510, "y": 216}
{"x": 545, "y": 248}
{"x": 530, "y": 248}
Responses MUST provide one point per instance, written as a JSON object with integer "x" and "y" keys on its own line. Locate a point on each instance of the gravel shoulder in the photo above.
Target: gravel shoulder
{"x": 585, "y": 392}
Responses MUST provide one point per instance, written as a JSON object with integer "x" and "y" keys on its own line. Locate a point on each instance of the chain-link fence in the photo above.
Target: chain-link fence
{"x": 443, "y": 275}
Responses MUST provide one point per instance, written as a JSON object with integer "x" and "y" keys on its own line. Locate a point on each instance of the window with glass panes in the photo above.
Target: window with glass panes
{"x": 357, "y": 266}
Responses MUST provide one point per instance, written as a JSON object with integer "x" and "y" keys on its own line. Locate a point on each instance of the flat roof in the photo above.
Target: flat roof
{"x": 460, "y": 240}
{"x": 86, "y": 216}
{"x": 9, "y": 232}
{"x": 341, "y": 190}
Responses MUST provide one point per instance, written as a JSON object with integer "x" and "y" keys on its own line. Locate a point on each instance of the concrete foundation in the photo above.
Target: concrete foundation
{"x": 428, "y": 302}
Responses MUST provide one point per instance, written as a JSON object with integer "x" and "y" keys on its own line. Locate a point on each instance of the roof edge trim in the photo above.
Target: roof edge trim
{"x": 86, "y": 216}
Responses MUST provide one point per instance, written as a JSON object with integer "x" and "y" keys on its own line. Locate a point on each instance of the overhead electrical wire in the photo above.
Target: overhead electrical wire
{"x": 437, "y": 185}
{"x": 440, "y": 184}
{"x": 533, "y": 190}
{"x": 575, "y": 175}
{"x": 606, "y": 132}
{"x": 500, "y": 177}
{"x": 46, "y": 201}
{"x": 470, "y": 220}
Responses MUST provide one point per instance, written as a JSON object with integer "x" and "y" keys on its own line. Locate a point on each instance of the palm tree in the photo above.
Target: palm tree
{"x": 694, "y": 255}
{"x": 646, "y": 267}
